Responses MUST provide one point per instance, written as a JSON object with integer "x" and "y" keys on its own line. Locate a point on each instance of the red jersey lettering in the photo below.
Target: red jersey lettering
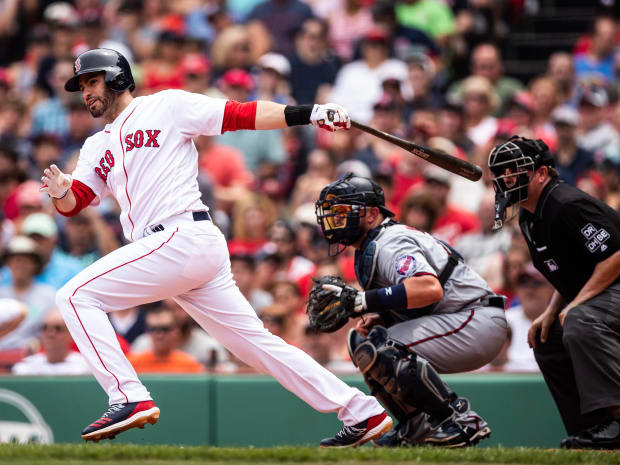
{"x": 129, "y": 143}
{"x": 152, "y": 134}
{"x": 138, "y": 139}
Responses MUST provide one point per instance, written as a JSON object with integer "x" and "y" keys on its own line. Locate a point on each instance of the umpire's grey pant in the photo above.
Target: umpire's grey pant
{"x": 581, "y": 362}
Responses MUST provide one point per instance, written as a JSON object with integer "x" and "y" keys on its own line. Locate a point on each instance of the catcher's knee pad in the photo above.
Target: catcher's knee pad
{"x": 409, "y": 379}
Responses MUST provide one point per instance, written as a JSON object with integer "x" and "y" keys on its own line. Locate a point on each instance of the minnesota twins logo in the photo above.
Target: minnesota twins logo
{"x": 78, "y": 65}
{"x": 405, "y": 265}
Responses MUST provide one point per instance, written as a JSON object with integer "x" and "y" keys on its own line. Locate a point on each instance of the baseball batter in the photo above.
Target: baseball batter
{"x": 146, "y": 159}
{"x": 428, "y": 312}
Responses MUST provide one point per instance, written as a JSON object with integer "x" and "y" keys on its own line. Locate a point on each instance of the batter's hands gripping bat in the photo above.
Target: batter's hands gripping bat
{"x": 436, "y": 157}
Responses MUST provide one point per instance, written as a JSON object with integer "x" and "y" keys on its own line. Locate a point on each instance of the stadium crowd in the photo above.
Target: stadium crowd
{"x": 426, "y": 70}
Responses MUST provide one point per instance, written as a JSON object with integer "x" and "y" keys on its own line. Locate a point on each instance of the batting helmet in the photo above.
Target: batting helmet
{"x": 115, "y": 66}
{"x": 342, "y": 203}
{"x": 511, "y": 162}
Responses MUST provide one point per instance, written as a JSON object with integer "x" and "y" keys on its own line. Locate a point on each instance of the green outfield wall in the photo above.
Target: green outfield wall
{"x": 253, "y": 410}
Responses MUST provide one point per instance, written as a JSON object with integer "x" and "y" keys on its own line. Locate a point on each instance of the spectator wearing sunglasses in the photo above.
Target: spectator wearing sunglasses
{"x": 56, "y": 357}
{"x": 164, "y": 356}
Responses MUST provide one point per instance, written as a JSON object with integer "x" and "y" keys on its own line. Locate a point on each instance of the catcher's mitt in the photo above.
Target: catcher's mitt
{"x": 328, "y": 311}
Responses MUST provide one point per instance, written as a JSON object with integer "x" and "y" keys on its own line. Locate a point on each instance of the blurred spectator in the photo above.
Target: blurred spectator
{"x": 24, "y": 261}
{"x": 598, "y": 62}
{"x": 129, "y": 323}
{"x": 312, "y": 64}
{"x": 95, "y": 35}
{"x": 57, "y": 267}
{"x": 515, "y": 261}
{"x": 253, "y": 215}
{"x": 485, "y": 250}
{"x": 562, "y": 71}
{"x": 479, "y": 101}
{"x": 281, "y": 18}
{"x": 287, "y": 296}
{"x": 348, "y": 23}
{"x": 419, "y": 210}
{"x": 243, "y": 266}
{"x": 12, "y": 121}
{"x": 196, "y": 72}
{"x": 403, "y": 37}
{"x": 595, "y": 133}
{"x": 571, "y": 160}
{"x": 263, "y": 150}
{"x": 452, "y": 222}
{"x": 291, "y": 266}
{"x": 545, "y": 98}
{"x": 450, "y": 124}
{"x": 231, "y": 50}
{"x": 359, "y": 83}
{"x": 81, "y": 126}
{"x": 321, "y": 170}
{"x": 164, "y": 357}
{"x": 12, "y": 313}
{"x": 486, "y": 62}
{"x": 29, "y": 200}
{"x": 193, "y": 340}
{"x": 374, "y": 151}
{"x": 272, "y": 80}
{"x": 274, "y": 318}
{"x": 421, "y": 72}
{"x": 89, "y": 237}
{"x": 534, "y": 294}
{"x": 56, "y": 357}
{"x": 46, "y": 150}
{"x": 51, "y": 115}
{"x": 163, "y": 70}
{"x": 434, "y": 17}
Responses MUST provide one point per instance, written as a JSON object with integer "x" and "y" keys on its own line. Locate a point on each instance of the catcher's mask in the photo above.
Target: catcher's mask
{"x": 512, "y": 164}
{"x": 340, "y": 206}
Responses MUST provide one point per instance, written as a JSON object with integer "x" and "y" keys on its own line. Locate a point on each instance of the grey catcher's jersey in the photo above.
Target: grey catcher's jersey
{"x": 403, "y": 252}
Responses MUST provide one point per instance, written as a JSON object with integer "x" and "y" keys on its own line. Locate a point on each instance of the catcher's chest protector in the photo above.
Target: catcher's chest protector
{"x": 366, "y": 257}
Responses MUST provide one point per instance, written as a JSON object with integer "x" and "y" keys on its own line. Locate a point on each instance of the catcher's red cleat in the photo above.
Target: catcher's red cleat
{"x": 119, "y": 418}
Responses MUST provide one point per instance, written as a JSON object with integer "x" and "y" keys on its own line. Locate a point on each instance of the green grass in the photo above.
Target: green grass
{"x": 122, "y": 454}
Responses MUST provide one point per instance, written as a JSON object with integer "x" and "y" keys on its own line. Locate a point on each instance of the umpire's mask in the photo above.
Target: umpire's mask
{"x": 512, "y": 164}
{"x": 340, "y": 206}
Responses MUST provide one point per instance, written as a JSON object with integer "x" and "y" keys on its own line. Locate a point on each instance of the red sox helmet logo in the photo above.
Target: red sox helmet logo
{"x": 78, "y": 65}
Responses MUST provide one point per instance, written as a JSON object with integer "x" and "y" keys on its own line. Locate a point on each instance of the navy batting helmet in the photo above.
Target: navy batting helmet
{"x": 342, "y": 203}
{"x": 115, "y": 66}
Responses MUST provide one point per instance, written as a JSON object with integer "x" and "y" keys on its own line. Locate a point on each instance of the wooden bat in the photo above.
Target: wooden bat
{"x": 436, "y": 157}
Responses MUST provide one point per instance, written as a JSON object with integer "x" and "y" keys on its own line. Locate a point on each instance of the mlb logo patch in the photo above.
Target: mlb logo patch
{"x": 406, "y": 265}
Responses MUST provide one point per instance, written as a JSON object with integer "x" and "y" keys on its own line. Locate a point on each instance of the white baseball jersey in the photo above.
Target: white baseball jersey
{"x": 146, "y": 158}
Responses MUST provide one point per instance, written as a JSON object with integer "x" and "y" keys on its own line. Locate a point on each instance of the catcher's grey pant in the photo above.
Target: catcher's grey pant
{"x": 581, "y": 361}
{"x": 455, "y": 342}
{"x": 189, "y": 260}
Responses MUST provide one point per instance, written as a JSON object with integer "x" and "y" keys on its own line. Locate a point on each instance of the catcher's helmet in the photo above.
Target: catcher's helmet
{"x": 340, "y": 206}
{"x": 511, "y": 162}
{"x": 115, "y": 66}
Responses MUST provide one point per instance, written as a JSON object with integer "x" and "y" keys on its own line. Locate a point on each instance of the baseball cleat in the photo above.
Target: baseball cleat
{"x": 361, "y": 433}
{"x": 451, "y": 435}
{"x": 119, "y": 418}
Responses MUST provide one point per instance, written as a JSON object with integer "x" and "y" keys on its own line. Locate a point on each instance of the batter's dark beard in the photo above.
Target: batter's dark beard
{"x": 107, "y": 101}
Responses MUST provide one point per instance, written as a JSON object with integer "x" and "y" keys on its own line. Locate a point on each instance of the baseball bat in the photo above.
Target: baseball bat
{"x": 436, "y": 157}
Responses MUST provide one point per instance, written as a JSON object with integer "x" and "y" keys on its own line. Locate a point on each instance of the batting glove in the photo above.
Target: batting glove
{"x": 360, "y": 297}
{"x": 55, "y": 182}
{"x": 330, "y": 116}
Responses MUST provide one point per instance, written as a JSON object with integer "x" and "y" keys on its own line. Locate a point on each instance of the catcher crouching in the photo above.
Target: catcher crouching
{"x": 424, "y": 311}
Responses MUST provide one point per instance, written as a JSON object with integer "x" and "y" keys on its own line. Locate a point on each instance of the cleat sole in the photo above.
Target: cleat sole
{"x": 137, "y": 421}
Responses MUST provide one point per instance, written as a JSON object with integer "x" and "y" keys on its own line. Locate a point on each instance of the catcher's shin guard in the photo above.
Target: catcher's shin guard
{"x": 409, "y": 379}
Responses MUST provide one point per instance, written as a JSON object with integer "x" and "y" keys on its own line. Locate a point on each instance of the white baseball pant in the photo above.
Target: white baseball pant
{"x": 189, "y": 260}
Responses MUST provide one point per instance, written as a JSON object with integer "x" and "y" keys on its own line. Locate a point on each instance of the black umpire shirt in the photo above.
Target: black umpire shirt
{"x": 568, "y": 235}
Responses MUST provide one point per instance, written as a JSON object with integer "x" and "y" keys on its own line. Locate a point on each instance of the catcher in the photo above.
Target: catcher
{"x": 423, "y": 312}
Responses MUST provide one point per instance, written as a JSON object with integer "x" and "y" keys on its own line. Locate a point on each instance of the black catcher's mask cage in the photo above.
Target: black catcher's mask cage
{"x": 340, "y": 206}
{"x": 511, "y": 164}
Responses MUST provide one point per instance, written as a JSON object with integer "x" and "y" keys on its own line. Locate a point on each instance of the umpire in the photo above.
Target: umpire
{"x": 574, "y": 241}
